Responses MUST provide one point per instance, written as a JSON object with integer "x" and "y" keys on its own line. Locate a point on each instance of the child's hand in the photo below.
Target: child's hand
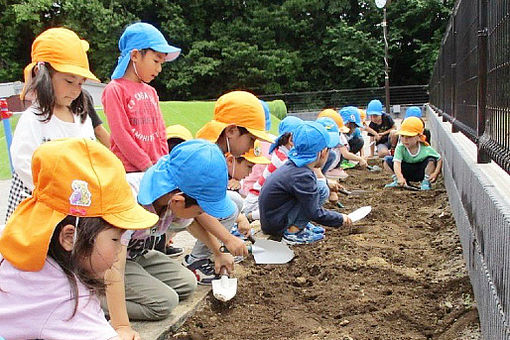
{"x": 333, "y": 185}
{"x": 401, "y": 181}
{"x": 233, "y": 184}
{"x": 378, "y": 137}
{"x": 243, "y": 226}
{"x": 224, "y": 260}
{"x": 363, "y": 163}
{"x": 127, "y": 333}
{"x": 347, "y": 221}
{"x": 236, "y": 246}
{"x": 433, "y": 177}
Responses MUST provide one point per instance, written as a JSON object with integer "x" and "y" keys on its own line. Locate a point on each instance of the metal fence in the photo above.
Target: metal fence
{"x": 471, "y": 79}
{"x": 317, "y": 100}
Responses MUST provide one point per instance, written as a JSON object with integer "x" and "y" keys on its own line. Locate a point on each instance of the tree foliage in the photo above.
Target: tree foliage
{"x": 264, "y": 46}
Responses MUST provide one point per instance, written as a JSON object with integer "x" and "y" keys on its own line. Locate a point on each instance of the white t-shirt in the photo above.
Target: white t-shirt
{"x": 32, "y": 132}
{"x": 38, "y": 305}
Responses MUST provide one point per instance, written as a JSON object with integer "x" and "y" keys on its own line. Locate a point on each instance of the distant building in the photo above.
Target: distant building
{"x": 11, "y": 92}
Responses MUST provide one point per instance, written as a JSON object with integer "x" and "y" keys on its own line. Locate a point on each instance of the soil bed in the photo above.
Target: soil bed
{"x": 397, "y": 274}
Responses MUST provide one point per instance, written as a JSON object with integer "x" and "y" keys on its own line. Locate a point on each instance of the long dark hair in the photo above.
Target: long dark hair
{"x": 87, "y": 230}
{"x": 42, "y": 87}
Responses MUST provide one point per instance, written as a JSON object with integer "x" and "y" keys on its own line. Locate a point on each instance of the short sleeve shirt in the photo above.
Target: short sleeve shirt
{"x": 402, "y": 154}
{"x": 386, "y": 124}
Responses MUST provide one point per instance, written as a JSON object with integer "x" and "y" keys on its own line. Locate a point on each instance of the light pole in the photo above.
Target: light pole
{"x": 383, "y": 4}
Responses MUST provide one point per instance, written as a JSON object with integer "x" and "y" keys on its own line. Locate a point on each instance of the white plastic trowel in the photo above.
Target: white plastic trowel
{"x": 269, "y": 252}
{"x": 360, "y": 213}
{"x": 224, "y": 288}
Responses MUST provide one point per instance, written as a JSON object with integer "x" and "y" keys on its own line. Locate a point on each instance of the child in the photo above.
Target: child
{"x": 53, "y": 82}
{"x": 131, "y": 105}
{"x": 188, "y": 182}
{"x": 382, "y": 124}
{"x": 97, "y": 124}
{"x": 238, "y": 121}
{"x": 332, "y": 167}
{"x": 352, "y": 120}
{"x": 58, "y": 244}
{"x": 290, "y": 197}
{"x": 279, "y": 151}
{"x": 411, "y": 111}
{"x": 415, "y": 160}
{"x": 175, "y": 135}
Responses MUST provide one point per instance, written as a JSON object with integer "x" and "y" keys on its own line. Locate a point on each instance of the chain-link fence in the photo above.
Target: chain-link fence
{"x": 471, "y": 78}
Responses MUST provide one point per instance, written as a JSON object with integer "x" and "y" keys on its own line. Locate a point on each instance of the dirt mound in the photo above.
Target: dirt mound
{"x": 397, "y": 274}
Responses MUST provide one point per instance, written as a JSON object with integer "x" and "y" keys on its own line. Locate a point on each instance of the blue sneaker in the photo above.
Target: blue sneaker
{"x": 315, "y": 228}
{"x": 425, "y": 184}
{"x": 393, "y": 184}
{"x": 301, "y": 237}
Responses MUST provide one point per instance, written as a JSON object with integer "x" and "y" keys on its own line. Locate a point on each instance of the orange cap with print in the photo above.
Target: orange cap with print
{"x": 238, "y": 108}
{"x": 72, "y": 176}
{"x": 363, "y": 115}
{"x": 63, "y": 50}
{"x": 336, "y": 117}
{"x": 255, "y": 154}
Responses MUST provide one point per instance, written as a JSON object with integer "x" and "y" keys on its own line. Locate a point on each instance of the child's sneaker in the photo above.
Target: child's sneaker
{"x": 425, "y": 184}
{"x": 336, "y": 174}
{"x": 315, "y": 228}
{"x": 301, "y": 237}
{"x": 203, "y": 269}
{"x": 172, "y": 251}
{"x": 393, "y": 184}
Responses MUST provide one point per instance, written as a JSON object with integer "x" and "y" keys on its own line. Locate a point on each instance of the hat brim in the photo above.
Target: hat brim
{"x": 334, "y": 139}
{"x": 407, "y": 133}
{"x": 76, "y": 70}
{"x": 257, "y": 159}
{"x": 172, "y": 52}
{"x": 260, "y": 134}
{"x": 134, "y": 218}
{"x": 218, "y": 209}
{"x": 154, "y": 184}
{"x": 374, "y": 113}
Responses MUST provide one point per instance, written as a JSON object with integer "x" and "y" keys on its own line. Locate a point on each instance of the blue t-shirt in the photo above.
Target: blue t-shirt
{"x": 287, "y": 186}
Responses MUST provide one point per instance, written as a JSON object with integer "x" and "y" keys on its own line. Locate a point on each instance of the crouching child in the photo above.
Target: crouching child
{"x": 414, "y": 160}
{"x": 292, "y": 197}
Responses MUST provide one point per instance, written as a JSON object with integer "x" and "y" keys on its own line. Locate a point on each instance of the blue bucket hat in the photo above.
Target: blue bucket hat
{"x": 288, "y": 124}
{"x": 139, "y": 36}
{"x": 374, "y": 108}
{"x": 332, "y": 128}
{"x": 350, "y": 114}
{"x": 309, "y": 138}
{"x": 267, "y": 114}
{"x": 197, "y": 168}
{"x": 413, "y": 111}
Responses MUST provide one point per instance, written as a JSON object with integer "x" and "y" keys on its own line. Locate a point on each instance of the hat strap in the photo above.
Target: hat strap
{"x": 75, "y": 235}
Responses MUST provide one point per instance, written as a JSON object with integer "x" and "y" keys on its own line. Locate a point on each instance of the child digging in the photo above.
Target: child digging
{"x": 290, "y": 197}
{"x": 414, "y": 160}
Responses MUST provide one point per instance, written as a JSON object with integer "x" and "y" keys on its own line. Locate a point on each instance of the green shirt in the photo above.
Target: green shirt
{"x": 402, "y": 154}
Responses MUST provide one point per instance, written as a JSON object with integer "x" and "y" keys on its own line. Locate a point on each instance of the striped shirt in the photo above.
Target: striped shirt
{"x": 278, "y": 158}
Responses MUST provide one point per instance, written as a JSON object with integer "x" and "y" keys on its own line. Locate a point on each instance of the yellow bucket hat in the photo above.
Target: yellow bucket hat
{"x": 256, "y": 155}
{"x": 72, "y": 176}
{"x": 239, "y": 108}
{"x": 412, "y": 126}
{"x": 178, "y": 131}
{"x": 65, "y": 52}
{"x": 336, "y": 117}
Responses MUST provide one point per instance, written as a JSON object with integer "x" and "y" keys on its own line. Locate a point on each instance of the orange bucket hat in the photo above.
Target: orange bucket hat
{"x": 336, "y": 117}
{"x": 178, "y": 131}
{"x": 73, "y": 176}
{"x": 65, "y": 52}
{"x": 239, "y": 108}
{"x": 255, "y": 155}
{"x": 413, "y": 126}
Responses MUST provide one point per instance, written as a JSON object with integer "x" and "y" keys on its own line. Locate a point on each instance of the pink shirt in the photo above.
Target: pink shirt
{"x": 137, "y": 128}
{"x": 38, "y": 305}
{"x": 256, "y": 171}
{"x": 279, "y": 156}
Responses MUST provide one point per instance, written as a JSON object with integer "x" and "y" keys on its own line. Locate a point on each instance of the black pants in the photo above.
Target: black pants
{"x": 412, "y": 172}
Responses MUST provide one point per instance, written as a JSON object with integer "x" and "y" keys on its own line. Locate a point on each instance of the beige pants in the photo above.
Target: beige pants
{"x": 154, "y": 286}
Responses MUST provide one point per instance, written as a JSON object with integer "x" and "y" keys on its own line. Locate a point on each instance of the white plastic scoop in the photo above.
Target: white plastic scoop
{"x": 360, "y": 213}
{"x": 224, "y": 288}
{"x": 270, "y": 252}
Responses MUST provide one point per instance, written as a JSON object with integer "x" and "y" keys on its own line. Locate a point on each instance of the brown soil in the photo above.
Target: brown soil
{"x": 398, "y": 274}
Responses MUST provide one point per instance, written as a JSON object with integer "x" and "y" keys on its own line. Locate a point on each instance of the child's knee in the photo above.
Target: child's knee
{"x": 163, "y": 305}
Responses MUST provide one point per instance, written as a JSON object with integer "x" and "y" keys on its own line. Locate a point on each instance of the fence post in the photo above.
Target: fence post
{"x": 482, "y": 155}
{"x": 454, "y": 73}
